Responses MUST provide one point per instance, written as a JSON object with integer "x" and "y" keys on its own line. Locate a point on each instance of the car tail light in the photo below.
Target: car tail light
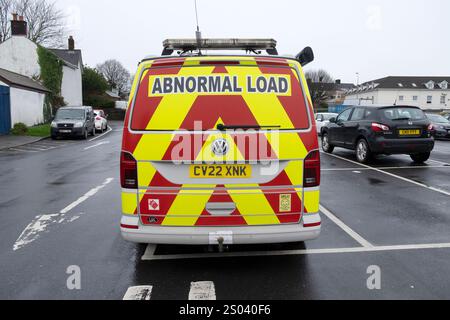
{"x": 128, "y": 171}
{"x": 98, "y": 118}
{"x": 312, "y": 170}
{"x": 378, "y": 127}
{"x": 431, "y": 128}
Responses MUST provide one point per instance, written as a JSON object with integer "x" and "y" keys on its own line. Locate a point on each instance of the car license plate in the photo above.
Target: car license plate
{"x": 410, "y": 132}
{"x": 65, "y": 131}
{"x": 221, "y": 171}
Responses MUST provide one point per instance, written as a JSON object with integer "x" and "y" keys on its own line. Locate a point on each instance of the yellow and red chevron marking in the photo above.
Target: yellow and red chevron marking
{"x": 256, "y": 204}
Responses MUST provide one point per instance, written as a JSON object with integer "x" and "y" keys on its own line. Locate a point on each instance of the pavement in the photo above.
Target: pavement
{"x": 60, "y": 213}
{"x": 11, "y": 141}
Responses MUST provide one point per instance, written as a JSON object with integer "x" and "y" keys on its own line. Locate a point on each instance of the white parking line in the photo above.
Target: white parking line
{"x": 392, "y": 175}
{"x": 41, "y": 223}
{"x": 393, "y": 248}
{"x": 385, "y": 168}
{"x": 347, "y": 229}
{"x": 203, "y": 291}
{"x": 138, "y": 293}
{"x": 97, "y": 145}
{"x": 103, "y": 134}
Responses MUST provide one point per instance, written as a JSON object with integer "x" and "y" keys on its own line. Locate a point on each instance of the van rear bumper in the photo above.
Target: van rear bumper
{"x": 205, "y": 235}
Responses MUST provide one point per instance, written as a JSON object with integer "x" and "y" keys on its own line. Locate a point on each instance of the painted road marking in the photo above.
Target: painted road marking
{"x": 392, "y": 175}
{"x": 138, "y": 293}
{"x": 203, "y": 291}
{"x": 347, "y": 229}
{"x": 386, "y": 168}
{"x": 22, "y": 150}
{"x": 299, "y": 252}
{"x": 41, "y": 223}
{"x": 97, "y": 145}
{"x": 88, "y": 195}
{"x": 103, "y": 134}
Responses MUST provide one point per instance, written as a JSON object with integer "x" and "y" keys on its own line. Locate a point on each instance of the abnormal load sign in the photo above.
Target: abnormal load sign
{"x": 220, "y": 85}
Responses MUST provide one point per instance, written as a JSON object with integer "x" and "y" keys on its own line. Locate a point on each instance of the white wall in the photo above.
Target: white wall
{"x": 26, "y": 107}
{"x": 18, "y": 54}
{"x": 390, "y": 96}
{"x": 71, "y": 86}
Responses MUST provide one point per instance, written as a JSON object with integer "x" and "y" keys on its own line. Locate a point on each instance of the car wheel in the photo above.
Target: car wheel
{"x": 363, "y": 153}
{"x": 93, "y": 131}
{"x": 420, "y": 157}
{"x": 85, "y": 134}
{"x": 326, "y": 145}
{"x": 54, "y": 137}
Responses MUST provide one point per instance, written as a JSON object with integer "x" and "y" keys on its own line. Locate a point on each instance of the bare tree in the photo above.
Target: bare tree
{"x": 321, "y": 83}
{"x": 6, "y": 7}
{"x": 117, "y": 76}
{"x": 46, "y": 23}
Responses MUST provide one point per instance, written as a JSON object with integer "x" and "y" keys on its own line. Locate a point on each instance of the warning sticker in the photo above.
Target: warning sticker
{"x": 153, "y": 205}
{"x": 285, "y": 203}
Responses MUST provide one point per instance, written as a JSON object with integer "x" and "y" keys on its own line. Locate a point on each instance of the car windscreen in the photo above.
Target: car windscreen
{"x": 203, "y": 98}
{"x": 437, "y": 118}
{"x": 70, "y": 114}
{"x": 403, "y": 113}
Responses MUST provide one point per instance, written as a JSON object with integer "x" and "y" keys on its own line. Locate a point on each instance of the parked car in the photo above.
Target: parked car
{"x": 441, "y": 126}
{"x": 73, "y": 122}
{"x": 101, "y": 120}
{"x": 322, "y": 119}
{"x": 447, "y": 116}
{"x": 381, "y": 130}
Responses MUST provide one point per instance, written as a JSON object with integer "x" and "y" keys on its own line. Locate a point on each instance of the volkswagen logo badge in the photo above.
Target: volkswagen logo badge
{"x": 410, "y": 123}
{"x": 220, "y": 147}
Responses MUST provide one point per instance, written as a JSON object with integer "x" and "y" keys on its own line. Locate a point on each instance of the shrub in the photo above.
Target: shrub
{"x": 19, "y": 129}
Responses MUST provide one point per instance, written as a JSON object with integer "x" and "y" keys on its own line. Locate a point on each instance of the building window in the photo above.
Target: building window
{"x": 429, "y": 99}
{"x": 443, "y": 98}
{"x": 401, "y": 98}
{"x": 415, "y": 98}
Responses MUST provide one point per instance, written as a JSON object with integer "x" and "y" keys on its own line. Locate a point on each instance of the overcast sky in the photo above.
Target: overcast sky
{"x": 375, "y": 38}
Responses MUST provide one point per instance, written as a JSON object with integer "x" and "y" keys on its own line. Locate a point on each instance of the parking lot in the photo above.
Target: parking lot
{"x": 60, "y": 207}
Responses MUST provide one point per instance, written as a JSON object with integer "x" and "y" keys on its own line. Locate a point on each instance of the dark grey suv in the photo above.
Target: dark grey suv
{"x": 381, "y": 130}
{"x": 73, "y": 122}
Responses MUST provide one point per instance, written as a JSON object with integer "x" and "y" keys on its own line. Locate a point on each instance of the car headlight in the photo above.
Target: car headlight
{"x": 54, "y": 124}
{"x": 78, "y": 125}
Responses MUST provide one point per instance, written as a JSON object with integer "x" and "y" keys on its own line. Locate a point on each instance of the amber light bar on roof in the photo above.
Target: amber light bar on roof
{"x": 185, "y": 45}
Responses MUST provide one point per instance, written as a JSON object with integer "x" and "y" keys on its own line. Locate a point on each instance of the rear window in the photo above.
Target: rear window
{"x": 402, "y": 113}
{"x": 437, "y": 118}
{"x": 200, "y": 98}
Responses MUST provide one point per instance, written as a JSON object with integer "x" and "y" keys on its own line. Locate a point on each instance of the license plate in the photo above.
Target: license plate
{"x": 410, "y": 132}
{"x": 65, "y": 131}
{"x": 221, "y": 171}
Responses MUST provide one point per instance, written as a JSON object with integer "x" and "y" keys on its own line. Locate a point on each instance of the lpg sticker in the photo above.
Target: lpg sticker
{"x": 285, "y": 203}
{"x": 153, "y": 205}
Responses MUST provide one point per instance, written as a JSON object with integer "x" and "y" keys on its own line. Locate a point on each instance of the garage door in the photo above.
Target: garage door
{"x": 5, "y": 110}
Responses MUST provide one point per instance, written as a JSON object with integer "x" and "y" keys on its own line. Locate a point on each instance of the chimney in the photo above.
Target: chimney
{"x": 18, "y": 26}
{"x": 71, "y": 43}
{"x": 338, "y": 81}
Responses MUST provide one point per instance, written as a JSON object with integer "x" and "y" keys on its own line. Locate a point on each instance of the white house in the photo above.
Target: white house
{"x": 429, "y": 93}
{"x": 21, "y": 100}
{"x": 19, "y": 54}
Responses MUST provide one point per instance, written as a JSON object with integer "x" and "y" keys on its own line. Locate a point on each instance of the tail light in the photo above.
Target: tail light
{"x": 128, "y": 171}
{"x": 431, "y": 128}
{"x": 378, "y": 127}
{"x": 312, "y": 170}
{"x": 98, "y": 118}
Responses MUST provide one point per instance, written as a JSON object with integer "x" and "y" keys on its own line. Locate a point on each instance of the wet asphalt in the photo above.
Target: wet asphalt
{"x": 398, "y": 204}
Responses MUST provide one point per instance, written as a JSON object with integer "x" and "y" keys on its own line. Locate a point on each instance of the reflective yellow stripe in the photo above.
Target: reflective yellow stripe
{"x": 129, "y": 203}
{"x": 254, "y": 203}
{"x": 294, "y": 170}
{"x": 187, "y": 207}
{"x": 312, "y": 201}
